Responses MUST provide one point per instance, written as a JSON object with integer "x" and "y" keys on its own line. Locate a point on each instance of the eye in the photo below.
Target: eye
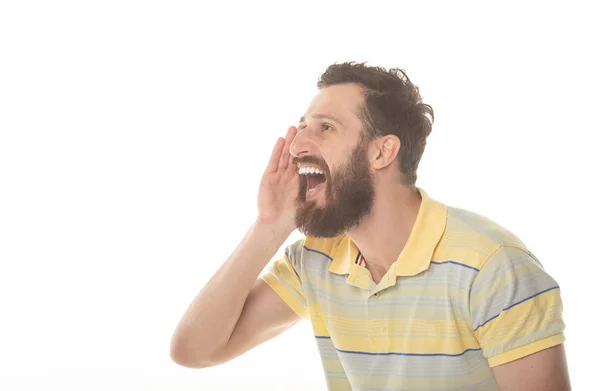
{"x": 327, "y": 127}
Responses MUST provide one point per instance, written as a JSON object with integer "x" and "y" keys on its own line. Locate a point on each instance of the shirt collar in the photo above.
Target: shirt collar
{"x": 416, "y": 255}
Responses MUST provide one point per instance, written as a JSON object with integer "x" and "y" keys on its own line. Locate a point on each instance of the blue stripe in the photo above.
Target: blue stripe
{"x": 319, "y": 252}
{"x": 409, "y": 354}
{"x": 400, "y": 354}
{"x": 456, "y": 263}
{"x": 512, "y": 305}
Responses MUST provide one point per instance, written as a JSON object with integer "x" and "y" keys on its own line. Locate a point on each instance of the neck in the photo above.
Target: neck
{"x": 382, "y": 235}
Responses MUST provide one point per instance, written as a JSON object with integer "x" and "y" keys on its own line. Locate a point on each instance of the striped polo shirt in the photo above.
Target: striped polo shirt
{"x": 464, "y": 295}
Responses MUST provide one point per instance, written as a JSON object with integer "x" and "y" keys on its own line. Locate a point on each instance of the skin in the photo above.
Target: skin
{"x": 225, "y": 320}
{"x": 545, "y": 370}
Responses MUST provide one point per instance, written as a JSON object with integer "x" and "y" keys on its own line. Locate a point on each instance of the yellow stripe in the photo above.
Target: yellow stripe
{"x": 526, "y": 350}
{"x": 525, "y": 318}
{"x": 285, "y": 295}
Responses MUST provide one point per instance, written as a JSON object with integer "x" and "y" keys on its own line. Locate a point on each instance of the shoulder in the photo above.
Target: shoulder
{"x": 476, "y": 237}
{"x": 481, "y": 228}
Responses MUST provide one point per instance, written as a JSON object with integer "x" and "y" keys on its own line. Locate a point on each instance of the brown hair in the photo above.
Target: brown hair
{"x": 393, "y": 105}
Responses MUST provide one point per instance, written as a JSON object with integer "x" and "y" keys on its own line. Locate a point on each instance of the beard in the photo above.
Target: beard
{"x": 349, "y": 195}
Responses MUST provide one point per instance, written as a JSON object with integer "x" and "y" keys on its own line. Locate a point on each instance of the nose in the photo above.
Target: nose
{"x": 301, "y": 143}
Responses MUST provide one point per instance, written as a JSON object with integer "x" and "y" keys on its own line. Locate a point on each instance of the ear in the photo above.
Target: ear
{"x": 384, "y": 151}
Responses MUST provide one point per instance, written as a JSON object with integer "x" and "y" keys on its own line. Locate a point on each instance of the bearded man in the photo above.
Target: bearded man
{"x": 403, "y": 291}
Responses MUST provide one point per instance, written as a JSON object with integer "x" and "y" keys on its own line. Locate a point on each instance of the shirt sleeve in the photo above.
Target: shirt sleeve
{"x": 515, "y": 307}
{"x": 284, "y": 277}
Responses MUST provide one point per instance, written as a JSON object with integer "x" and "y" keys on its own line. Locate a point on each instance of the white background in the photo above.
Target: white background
{"x": 134, "y": 134}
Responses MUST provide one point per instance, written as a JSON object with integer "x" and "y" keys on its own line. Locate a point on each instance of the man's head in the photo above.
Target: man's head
{"x": 366, "y": 125}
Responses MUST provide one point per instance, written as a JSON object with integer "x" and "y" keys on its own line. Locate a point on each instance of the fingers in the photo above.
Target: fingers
{"x": 273, "y": 164}
{"x": 285, "y": 158}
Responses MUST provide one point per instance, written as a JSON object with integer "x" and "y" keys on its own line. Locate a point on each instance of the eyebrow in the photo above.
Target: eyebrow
{"x": 323, "y": 116}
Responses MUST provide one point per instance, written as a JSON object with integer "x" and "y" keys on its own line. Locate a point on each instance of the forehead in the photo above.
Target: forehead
{"x": 341, "y": 100}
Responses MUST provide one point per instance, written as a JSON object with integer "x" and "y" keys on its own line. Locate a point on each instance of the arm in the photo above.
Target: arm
{"x": 545, "y": 370}
{"x": 235, "y": 311}
{"x": 265, "y": 315}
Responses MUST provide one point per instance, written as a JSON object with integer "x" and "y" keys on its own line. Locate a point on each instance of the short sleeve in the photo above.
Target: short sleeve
{"x": 515, "y": 307}
{"x": 284, "y": 277}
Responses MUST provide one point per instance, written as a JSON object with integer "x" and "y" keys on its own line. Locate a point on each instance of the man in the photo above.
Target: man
{"x": 403, "y": 292}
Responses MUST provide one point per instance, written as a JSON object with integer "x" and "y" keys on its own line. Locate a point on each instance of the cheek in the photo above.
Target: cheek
{"x": 336, "y": 161}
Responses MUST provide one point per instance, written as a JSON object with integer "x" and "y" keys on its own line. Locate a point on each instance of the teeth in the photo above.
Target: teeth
{"x": 309, "y": 170}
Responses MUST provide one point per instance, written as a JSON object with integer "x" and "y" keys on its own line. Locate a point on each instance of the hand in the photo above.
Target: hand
{"x": 279, "y": 187}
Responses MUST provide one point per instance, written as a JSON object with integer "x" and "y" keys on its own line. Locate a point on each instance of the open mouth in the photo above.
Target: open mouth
{"x": 314, "y": 180}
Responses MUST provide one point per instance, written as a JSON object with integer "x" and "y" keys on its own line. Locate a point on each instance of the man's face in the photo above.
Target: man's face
{"x": 330, "y": 139}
